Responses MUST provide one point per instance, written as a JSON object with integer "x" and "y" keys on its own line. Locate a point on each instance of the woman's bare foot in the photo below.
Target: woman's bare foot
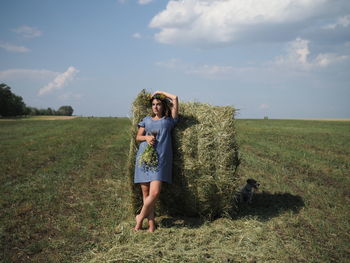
{"x": 151, "y": 222}
{"x": 139, "y": 222}
{"x": 151, "y": 225}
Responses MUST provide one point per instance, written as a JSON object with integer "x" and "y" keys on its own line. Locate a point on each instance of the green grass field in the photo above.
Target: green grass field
{"x": 65, "y": 196}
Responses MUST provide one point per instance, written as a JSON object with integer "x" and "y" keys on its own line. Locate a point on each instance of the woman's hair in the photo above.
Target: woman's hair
{"x": 165, "y": 103}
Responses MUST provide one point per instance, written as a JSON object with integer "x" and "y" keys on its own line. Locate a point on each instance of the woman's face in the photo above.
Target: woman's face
{"x": 157, "y": 107}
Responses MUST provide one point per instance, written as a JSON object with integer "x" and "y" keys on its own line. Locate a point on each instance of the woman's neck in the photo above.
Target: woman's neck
{"x": 157, "y": 117}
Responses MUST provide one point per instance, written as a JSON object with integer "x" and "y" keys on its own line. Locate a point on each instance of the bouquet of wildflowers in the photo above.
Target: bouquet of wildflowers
{"x": 149, "y": 157}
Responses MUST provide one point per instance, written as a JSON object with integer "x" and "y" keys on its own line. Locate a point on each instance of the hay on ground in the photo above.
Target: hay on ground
{"x": 205, "y": 160}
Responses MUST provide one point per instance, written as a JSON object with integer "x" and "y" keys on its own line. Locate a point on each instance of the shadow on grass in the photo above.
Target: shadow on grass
{"x": 266, "y": 205}
{"x": 180, "y": 221}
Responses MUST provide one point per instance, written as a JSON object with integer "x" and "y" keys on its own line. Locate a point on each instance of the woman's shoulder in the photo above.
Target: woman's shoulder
{"x": 171, "y": 120}
{"x": 144, "y": 120}
{"x": 147, "y": 118}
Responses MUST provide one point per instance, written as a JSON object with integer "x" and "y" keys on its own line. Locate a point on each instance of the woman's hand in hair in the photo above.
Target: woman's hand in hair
{"x": 166, "y": 94}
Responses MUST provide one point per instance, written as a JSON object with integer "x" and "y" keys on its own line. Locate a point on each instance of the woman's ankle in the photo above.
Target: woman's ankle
{"x": 139, "y": 222}
{"x": 151, "y": 225}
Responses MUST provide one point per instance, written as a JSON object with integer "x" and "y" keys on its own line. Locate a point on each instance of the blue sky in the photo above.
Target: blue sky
{"x": 275, "y": 58}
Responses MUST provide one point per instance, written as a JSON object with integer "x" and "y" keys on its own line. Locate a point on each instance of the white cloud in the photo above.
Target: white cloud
{"x": 207, "y": 22}
{"x": 145, "y": 2}
{"x": 325, "y": 59}
{"x": 59, "y": 81}
{"x": 298, "y": 57}
{"x": 14, "y": 74}
{"x": 27, "y": 31}
{"x": 343, "y": 21}
{"x": 137, "y": 35}
{"x": 297, "y": 53}
{"x": 13, "y": 48}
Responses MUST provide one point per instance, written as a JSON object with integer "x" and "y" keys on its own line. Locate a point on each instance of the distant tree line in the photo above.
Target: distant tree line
{"x": 63, "y": 110}
{"x": 13, "y": 105}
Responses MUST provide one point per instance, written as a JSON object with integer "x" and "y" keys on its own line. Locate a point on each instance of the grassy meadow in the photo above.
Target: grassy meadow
{"x": 64, "y": 196}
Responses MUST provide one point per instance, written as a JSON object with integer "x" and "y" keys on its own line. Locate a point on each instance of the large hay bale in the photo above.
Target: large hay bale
{"x": 205, "y": 161}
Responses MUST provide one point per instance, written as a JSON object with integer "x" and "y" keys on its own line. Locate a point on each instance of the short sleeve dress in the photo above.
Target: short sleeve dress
{"x": 163, "y": 172}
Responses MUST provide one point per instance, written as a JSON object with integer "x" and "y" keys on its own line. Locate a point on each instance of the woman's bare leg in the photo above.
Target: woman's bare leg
{"x": 145, "y": 192}
{"x": 148, "y": 205}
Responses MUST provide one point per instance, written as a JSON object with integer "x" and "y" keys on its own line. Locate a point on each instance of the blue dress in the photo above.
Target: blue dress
{"x": 164, "y": 150}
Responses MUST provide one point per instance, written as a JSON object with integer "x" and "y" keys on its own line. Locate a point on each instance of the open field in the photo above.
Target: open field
{"x": 324, "y": 119}
{"x": 40, "y": 118}
{"x": 64, "y": 196}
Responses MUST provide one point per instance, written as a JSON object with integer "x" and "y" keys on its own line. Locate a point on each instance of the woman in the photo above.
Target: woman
{"x": 155, "y": 130}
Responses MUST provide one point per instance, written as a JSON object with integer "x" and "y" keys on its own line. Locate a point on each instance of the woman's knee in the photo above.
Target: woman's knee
{"x": 155, "y": 193}
{"x": 155, "y": 189}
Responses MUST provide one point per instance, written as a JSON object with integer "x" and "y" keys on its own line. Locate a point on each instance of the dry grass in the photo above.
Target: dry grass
{"x": 64, "y": 197}
{"x": 60, "y": 187}
{"x": 300, "y": 215}
{"x": 222, "y": 240}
